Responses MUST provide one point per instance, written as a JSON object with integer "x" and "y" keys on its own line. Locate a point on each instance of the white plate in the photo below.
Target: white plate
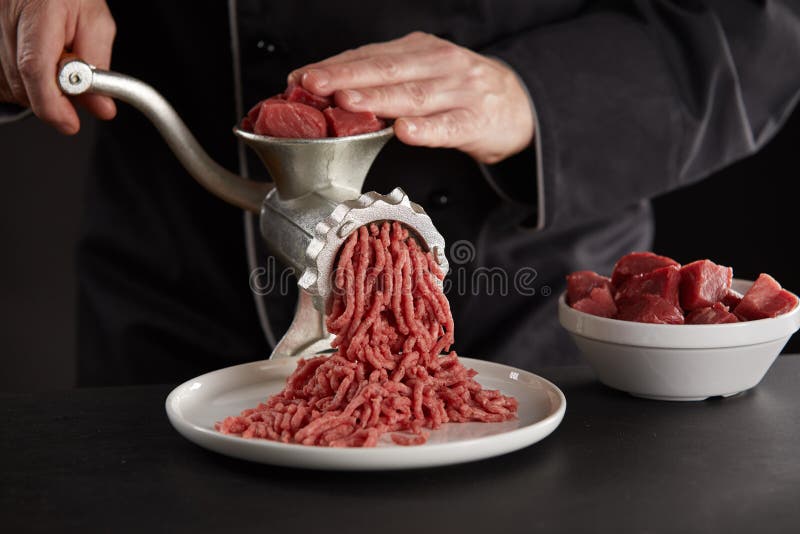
{"x": 194, "y": 407}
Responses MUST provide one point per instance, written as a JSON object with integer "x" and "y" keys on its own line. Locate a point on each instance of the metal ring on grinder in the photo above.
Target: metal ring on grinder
{"x": 331, "y": 233}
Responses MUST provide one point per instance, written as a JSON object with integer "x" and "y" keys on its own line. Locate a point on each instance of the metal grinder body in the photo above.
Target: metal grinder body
{"x": 313, "y": 204}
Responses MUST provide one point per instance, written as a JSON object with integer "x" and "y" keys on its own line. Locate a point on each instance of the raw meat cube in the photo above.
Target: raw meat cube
{"x": 289, "y": 119}
{"x": 296, "y": 93}
{"x": 764, "y": 299}
{"x": 731, "y": 299}
{"x": 299, "y": 119}
{"x": 342, "y": 123}
{"x": 599, "y": 302}
{"x": 703, "y": 283}
{"x": 252, "y": 115}
{"x": 716, "y": 314}
{"x": 663, "y": 282}
{"x": 649, "y": 308}
{"x": 250, "y": 119}
{"x": 581, "y": 283}
{"x": 638, "y": 263}
{"x": 255, "y": 110}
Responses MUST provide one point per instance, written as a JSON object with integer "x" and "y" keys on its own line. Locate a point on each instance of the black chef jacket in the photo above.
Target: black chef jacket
{"x": 632, "y": 99}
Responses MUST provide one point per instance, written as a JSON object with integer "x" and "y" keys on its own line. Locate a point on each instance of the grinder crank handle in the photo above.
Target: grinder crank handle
{"x": 77, "y": 77}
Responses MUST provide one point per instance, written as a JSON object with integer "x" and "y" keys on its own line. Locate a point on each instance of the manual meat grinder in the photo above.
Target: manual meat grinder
{"x": 312, "y": 206}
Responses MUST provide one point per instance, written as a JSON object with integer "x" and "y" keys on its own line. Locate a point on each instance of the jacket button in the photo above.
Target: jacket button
{"x": 438, "y": 199}
{"x": 265, "y": 47}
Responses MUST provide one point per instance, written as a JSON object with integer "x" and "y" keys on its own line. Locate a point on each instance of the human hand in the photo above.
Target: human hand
{"x": 441, "y": 94}
{"x": 33, "y": 35}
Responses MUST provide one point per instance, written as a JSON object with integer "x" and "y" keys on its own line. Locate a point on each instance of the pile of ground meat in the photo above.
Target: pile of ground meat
{"x": 390, "y": 372}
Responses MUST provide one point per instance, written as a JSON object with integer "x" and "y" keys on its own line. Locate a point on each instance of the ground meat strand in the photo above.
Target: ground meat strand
{"x": 392, "y": 324}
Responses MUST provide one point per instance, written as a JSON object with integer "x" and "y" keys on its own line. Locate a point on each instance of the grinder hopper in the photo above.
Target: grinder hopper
{"x": 314, "y": 203}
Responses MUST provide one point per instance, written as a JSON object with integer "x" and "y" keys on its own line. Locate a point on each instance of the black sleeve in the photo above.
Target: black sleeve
{"x": 12, "y": 112}
{"x": 636, "y": 98}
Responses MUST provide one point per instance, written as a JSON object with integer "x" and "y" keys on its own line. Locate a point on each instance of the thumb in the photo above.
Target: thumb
{"x": 94, "y": 38}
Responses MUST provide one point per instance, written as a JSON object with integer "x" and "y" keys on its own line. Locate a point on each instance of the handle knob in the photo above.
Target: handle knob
{"x": 77, "y": 77}
{"x": 74, "y": 76}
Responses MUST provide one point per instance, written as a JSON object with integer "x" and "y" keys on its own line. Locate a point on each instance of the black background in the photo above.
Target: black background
{"x": 743, "y": 216}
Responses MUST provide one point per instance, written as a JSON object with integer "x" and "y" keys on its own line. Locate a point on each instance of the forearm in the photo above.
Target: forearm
{"x": 633, "y": 103}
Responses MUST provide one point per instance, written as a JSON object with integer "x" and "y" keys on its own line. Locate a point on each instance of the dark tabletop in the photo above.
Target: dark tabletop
{"x": 107, "y": 460}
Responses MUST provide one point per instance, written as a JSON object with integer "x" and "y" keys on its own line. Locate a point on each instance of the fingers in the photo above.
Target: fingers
{"x": 410, "y": 43}
{"x": 453, "y": 128}
{"x": 414, "y": 98}
{"x": 441, "y": 94}
{"x": 383, "y": 69}
{"x": 11, "y": 87}
{"x": 94, "y": 38}
{"x": 5, "y": 91}
{"x": 35, "y": 34}
{"x": 41, "y": 35}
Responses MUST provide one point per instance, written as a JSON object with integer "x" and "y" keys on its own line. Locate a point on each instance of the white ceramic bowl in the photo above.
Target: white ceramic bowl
{"x": 679, "y": 362}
